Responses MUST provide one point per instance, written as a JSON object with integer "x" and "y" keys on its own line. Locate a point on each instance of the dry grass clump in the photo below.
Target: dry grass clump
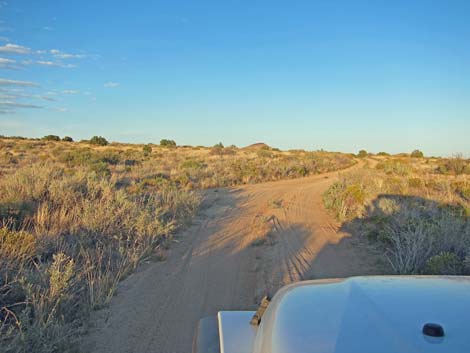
{"x": 67, "y": 237}
{"x": 419, "y": 220}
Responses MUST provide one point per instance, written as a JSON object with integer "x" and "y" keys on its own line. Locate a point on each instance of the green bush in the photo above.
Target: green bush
{"x": 445, "y": 263}
{"x": 100, "y": 168}
{"x": 456, "y": 165}
{"x": 167, "y": 143}
{"x": 192, "y": 164}
{"x": 98, "y": 140}
{"x": 51, "y": 138}
{"x": 383, "y": 154}
{"x": 362, "y": 154}
{"x": 147, "y": 149}
{"x": 67, "y": 139}
{"x": 417, "y": 154}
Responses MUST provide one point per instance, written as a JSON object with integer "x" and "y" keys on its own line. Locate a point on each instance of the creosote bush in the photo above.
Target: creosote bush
{"x": 167, "y": 143}
{"x": 51, "y": 138}
{"x": 417, "y": 154}
{"x": 98, "y": 141}
{"x": 362, "y": 154}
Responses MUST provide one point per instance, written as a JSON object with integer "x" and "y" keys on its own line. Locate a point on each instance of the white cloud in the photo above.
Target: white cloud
{"x": 46, "y": 63}
{"x": 7, "y": 94}
{"x": 56, "y": 64}
{"x": 8, "y": 63}
{"x": 7, "y": 82}
{"x": 111, "y": 84}
{"x": 14, "y": 49}
{"x": 61, "y": 55}
{"x": 12, "y": 104}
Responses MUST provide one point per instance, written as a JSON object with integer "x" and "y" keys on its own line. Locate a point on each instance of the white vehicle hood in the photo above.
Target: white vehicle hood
{"x": 367, "y": 315}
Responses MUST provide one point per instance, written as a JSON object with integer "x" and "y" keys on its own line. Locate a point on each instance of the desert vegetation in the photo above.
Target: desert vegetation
{"x": 414, "y": 210}
{"x": 77, "y": 217}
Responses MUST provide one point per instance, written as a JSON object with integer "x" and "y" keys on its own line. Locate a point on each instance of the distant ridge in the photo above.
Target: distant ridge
{"x": 256, "y": 146}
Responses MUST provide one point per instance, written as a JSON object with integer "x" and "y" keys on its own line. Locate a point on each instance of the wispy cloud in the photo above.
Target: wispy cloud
{"x": 56, "y": 64}
{"x": 10, "y": 48}
{"x": 4, "y": 39}
{"x": 60, "y": 109}
{"x": 61, "y": 55}
{"x": 70, "y": 91}
{"x": 8, "y": 63}
{"x": 7, "y": 82}
{"x": 111, "y": 84}
{"x": 8, "y": 94}
{"x": 12, "y": 104}
{"x": 46, "y": 98}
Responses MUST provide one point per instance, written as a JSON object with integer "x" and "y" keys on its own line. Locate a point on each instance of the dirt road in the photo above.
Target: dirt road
{"x": 246, "y": 242}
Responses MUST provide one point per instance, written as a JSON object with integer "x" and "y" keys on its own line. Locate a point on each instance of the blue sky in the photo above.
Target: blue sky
{"x": 338, "y": 75}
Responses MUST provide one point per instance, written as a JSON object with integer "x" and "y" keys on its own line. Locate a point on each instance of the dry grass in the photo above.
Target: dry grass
{"x": 418, "y": 217}
{"x": 76, "y": 218}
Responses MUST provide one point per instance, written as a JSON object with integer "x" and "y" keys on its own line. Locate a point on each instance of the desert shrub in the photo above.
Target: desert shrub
{"x": 444, "y": 263}
{"x": 192, "y": 164}
{"x": 456, "y": 165}
{"x": 362, "y": 154}
{"x": 100, "y": 168}
{"x": 264, "y": 153}
{"x": 147, "y": 149}
{"x": 108, "y": 157}
{"x": 217, "y": 150}
{"x": 219, "y": 145}
{"x": 51, "y": 138}
{"x": 396, "y": 167}
{"x": 346, "y": 198}
{"x": 415, "y": 182}
{"x": 167, "y": 143}
{"x": 383, "y": 154}
{"x": 67, "y": 139}
{"x": 417, "y": 154}
{"x": 98, "y": 141}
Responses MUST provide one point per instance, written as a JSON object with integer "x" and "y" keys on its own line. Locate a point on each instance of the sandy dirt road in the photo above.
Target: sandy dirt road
{"x": 246, "y": 242}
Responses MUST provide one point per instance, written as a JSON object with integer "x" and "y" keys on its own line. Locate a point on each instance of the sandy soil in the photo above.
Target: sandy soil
{"x": 246, "y": 242}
